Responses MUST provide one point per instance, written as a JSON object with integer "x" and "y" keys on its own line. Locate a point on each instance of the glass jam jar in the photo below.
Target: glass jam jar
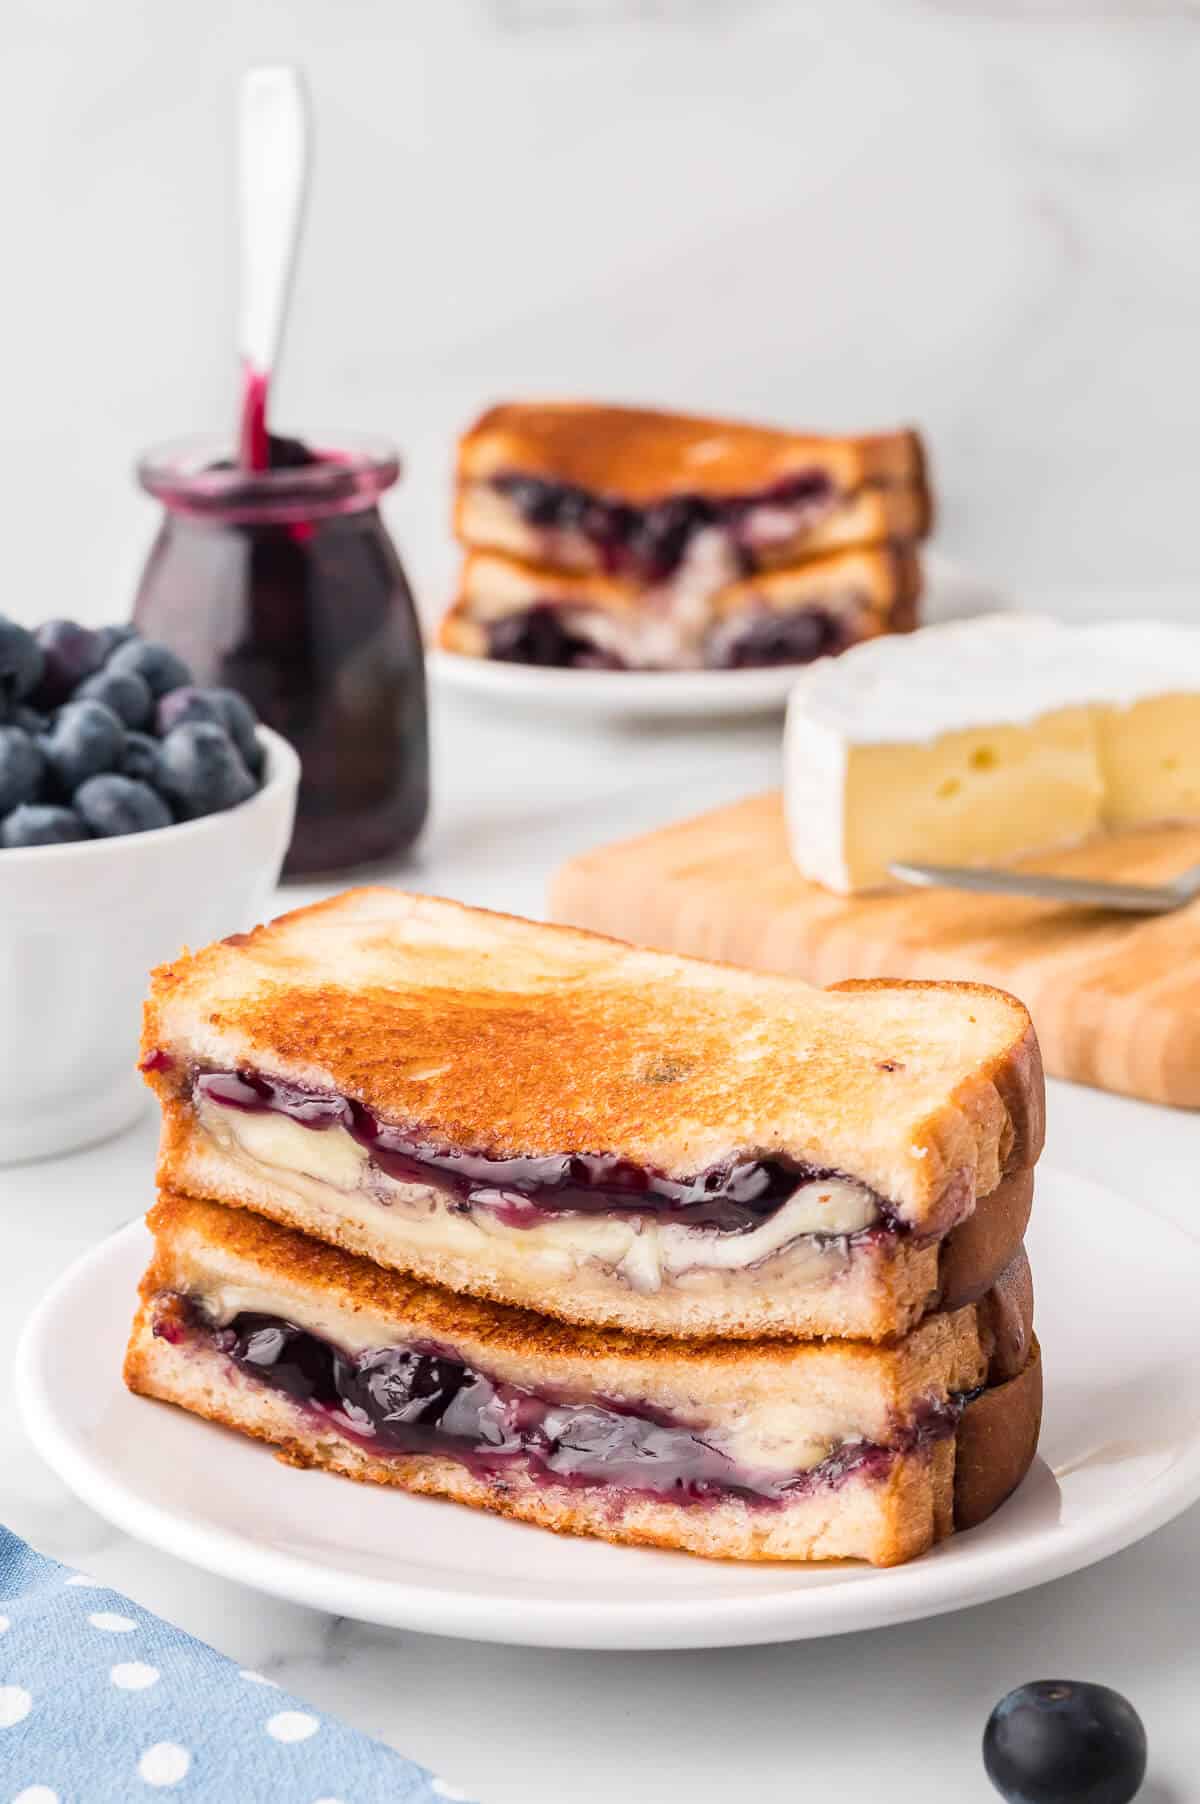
{"x": 284, "y": 584}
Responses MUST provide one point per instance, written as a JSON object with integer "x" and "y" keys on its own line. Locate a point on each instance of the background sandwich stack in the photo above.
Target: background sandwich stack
{"x": 606, "y": 1240}
{"x": 613, "y": 537}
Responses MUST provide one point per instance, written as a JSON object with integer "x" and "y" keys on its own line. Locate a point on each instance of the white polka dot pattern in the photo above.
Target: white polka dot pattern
{"x": 166, "y": 1763}
{"x": 15, "y": 1705}
{"x": 133, "y": 1676}
{"x": 100, "y": 1698}
{"x": 292, "y": 1725}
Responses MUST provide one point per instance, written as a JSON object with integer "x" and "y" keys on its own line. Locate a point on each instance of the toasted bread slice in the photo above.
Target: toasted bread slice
{"x": 847, "y": 597}
{"x": 646, "y": 456}
{"x": 480, "y": 1033}
{"x": 780, "y": 1450}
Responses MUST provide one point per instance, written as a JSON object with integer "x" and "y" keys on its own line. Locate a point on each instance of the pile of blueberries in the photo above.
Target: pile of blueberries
{"x": 104, "y": 733}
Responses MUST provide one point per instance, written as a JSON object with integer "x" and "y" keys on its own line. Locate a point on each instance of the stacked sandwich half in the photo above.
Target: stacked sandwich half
{"x": 620, "y": 538}
{"x": 611, "y": 1241}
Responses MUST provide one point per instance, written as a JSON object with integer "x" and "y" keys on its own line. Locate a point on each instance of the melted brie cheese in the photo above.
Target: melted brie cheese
{"x": 333, "y": 1172}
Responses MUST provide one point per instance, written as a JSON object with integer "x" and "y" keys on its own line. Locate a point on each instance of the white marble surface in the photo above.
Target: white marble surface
{"x": 896, "y": 1713}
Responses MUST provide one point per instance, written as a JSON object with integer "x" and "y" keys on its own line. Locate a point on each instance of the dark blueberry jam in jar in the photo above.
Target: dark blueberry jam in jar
{"x": 284, "y": 584}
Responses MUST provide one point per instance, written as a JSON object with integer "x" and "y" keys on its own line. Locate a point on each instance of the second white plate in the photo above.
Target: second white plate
{"x": 1120, "y": 1456}
{"x": 951, "y": 593}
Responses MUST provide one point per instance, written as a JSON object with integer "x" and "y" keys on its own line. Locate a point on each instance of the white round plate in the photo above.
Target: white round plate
{"x": 950, "y": 594}
{"x": 1120, "y": 1456}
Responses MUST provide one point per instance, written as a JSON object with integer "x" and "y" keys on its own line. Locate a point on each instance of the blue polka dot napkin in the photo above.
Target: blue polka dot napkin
{"x": 102, "y": 1703}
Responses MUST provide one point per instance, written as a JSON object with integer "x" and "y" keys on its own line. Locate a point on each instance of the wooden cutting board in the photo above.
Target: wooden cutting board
{"x": 1115, "y": 998}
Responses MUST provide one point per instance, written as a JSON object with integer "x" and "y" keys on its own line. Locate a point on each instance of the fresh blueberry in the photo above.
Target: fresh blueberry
{"x": 22, "y": 768}
{"x": 241, "y": 722}
{"x": 141, "y": 759}
{"x": 123, "y": 691}
{"x": 21, "y": 662}
{"x": 187, "y": 703}
{"x": 1059, "y": 1741}
{"x": 115, "y": 805}
{"x": 71, "y": 652}
{"x": 29, "y": 720}
{"x": 202, "y": 770}
{"x": 156, "y": 664}
{"x": 39, "y": 826}
{"x": 110, "y": 637}
{"x": 85, "y": 738}
{"x": 224, "y": 707}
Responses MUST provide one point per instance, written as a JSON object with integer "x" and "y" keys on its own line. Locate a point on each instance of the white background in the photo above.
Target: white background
{"x": 981, "y": 217}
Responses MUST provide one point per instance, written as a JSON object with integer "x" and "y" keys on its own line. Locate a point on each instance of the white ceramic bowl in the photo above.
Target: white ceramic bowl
{"x": 81, "y": 926}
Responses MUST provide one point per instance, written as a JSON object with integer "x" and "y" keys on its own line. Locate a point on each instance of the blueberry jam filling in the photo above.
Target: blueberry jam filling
{"x": 733, "y": 1198}
{"x": 422, "y": 1400}
{"x": 541, "y": 635}
{"x": 797, "y": 636}
{"x": 651, "y": 542}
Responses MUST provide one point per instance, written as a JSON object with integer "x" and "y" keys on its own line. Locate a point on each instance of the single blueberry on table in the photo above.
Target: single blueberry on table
{"x": 126, "y": 693}
{"x": 158, "y": 666}
{"x": 84, "y": 739}
{"x": 34, "y": 825}
{"x": 1061, "y": 1741}
{"x": 70, "y": 653}
{"x": 112, "y": 806}
{"x": 21, "y": 662}
{"x": 141, "y": 759}
{"x": 22, "y": 768}
{"x": 202, "y": 770}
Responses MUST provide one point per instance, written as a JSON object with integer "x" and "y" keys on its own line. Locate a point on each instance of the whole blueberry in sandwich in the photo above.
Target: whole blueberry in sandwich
{"x": 126, "y": 693}
{"x": 21, "y": 663}
{"x": 111, "y": 805}
{"x": 22, "y": 768}
{"x": 202, "y": 770}
{"x": 37, "y": 825}
{"x": 84, "y": 739}
{"x": 70, "y": 653}
{"x": 159, "y": 667}
{"x": 1060, "y": 1741}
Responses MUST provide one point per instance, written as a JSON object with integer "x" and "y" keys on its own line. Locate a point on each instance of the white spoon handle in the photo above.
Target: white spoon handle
{"x": 272, "y": 178}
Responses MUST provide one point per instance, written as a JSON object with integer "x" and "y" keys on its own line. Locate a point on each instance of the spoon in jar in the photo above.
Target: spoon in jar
{"x": 273, "y": 140}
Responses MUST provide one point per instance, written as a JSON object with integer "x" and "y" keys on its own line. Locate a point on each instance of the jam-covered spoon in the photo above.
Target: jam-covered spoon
{"x": 272, "y": 180}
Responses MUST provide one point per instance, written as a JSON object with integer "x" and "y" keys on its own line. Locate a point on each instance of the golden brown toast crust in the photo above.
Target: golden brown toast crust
{"x": 644, "y": 455}
{"x": 514, "y": 1038}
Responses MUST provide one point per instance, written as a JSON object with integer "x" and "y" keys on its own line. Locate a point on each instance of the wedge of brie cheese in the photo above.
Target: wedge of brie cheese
{"x": 987, "y": 739}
